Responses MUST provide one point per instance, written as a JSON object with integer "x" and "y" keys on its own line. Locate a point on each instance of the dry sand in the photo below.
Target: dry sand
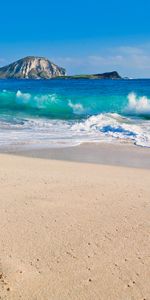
{"x": 73, "y": 231}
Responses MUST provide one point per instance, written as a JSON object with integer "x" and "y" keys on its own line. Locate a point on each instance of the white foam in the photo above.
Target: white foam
{"x": 103, "y": 127}
{"x": 37, "y": 101}
{"x": 23, "y": 96}
{"x": 138, "y": 105}
{"x": 77, "y": 107}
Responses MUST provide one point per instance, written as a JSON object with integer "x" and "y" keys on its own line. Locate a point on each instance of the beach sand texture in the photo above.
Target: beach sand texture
{"x": 73, "y": 231}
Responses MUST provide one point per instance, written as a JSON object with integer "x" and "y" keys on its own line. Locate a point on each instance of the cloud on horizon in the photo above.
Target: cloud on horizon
{"x": 129, "y": 61}
{"x": 132, "y": 61}
{"x": 2, "y": 61}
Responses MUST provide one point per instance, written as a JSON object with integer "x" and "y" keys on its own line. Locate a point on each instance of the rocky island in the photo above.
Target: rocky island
{"x": 107, "y": 75}
{"x": 33, "y": 67}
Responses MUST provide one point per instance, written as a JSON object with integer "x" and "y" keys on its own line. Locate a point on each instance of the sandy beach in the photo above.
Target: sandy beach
{"x": 72, "y": 230}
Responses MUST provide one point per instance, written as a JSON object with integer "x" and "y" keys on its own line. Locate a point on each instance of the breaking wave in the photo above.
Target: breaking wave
{"x": 59, "y": 106}
{"x": 57, "y": 119}
{"x": 49, "y": 105}
{"x": 138, "y": 105}
{"x": 100, "y": 128}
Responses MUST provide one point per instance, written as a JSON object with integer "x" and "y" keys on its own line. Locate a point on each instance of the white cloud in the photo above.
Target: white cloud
{"x": 130, "y": 50}
{"x": 127, "y": 57}
{"x": 104, "y": 60}
{"x": 128, "y": 60}
{"x": 2, "y": 61}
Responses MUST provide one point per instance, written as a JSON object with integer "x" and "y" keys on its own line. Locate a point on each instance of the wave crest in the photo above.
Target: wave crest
{"x": 138, "y": 105}
{"x": 51, "y": 105}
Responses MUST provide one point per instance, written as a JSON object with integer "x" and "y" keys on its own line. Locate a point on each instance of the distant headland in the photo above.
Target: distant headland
{"x": 33, "y": 67}
{"x": 107, "y": 75}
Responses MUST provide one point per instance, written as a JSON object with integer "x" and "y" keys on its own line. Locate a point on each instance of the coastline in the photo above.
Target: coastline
{"x": 72, "y": 230}
{"x": 75, "y": 150}
{"x": 126, "y": 155}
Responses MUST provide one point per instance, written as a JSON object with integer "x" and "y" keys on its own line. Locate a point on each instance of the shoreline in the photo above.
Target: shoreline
{"x": 94, "y": 153}
{"x": 72, "y": 230}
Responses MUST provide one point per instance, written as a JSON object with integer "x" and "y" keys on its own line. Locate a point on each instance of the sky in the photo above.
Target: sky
{"x": 84, "y": 36}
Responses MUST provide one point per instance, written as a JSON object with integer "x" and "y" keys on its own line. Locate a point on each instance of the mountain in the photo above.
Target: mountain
{"x": 32, "y": 67}
{"x": 108, "y": 75}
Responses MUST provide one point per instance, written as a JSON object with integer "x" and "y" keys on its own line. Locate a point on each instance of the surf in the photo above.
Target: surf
{"x": 69, "y": 113}
{"x": 138, "y": 105}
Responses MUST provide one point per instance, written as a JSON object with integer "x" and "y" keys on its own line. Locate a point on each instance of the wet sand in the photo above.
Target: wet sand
{"x": 96, "y": 153}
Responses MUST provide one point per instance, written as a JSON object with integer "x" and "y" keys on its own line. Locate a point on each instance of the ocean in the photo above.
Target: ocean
{"x": 61, "y": 113}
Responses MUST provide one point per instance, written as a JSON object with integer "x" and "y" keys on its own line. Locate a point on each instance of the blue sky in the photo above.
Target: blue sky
{"x": 83, "y": 36}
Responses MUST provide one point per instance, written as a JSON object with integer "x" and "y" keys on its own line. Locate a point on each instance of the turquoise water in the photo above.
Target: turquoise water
{"x": 69, "y": 112}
